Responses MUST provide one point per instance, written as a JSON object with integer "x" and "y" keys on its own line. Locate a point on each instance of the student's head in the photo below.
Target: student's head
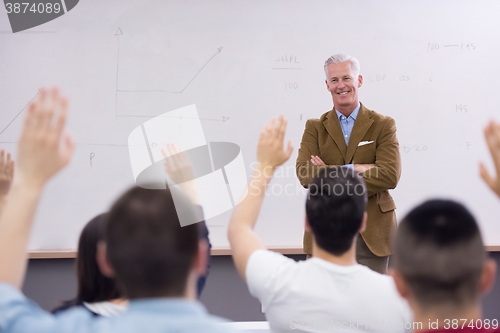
{"x": 147, "y": 250}
{"x": 335, "y": 208}
{"x": 440, "y": 260}
{"x": 93, "y": 286}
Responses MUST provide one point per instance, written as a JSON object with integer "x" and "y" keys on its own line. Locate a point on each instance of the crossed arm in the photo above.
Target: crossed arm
{"x": 381, "y": 175}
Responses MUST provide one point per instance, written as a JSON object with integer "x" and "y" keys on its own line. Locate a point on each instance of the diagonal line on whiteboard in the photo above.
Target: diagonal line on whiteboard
{"x": 17, "y": 115}
{"x": 173, "y": 92}
{"x": 216, "y": 53}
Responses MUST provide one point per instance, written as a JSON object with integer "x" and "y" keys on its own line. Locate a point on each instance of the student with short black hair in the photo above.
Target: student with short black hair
{"x": 154, "y": 260}
{"x": 330, "y": 291}
{"x": 441, "y": 268}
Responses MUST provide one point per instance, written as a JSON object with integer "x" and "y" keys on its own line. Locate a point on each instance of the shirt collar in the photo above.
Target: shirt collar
{"x": 170, "y": 306}
{"x": 353, "y": 114}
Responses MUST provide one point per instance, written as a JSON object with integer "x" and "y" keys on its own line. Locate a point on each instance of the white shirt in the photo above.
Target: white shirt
{"x": 106, "y": 309}
{"x": 318, "y": 296}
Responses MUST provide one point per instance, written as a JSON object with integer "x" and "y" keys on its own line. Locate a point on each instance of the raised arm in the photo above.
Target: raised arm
{"x": 492, "y": 136}
{"x": 270, "y": 155}
{"x": 180, "y": 171}
{"x": 40, "y": 156}
{"x": 6, "y": 176}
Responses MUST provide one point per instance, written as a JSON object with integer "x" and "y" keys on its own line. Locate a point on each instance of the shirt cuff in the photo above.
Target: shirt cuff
{"x": 349, "y": 166}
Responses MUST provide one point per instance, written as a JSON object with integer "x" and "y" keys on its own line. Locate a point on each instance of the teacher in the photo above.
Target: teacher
{"x": 363, "y": 140}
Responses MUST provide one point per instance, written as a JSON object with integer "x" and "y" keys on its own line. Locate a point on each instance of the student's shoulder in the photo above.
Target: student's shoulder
{"x": 376, "y": 279}
{"x": 264, "y": 262}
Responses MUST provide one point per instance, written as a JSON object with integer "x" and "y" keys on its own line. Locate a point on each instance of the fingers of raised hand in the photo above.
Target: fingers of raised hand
{"x": 492, "y": 136}
{"x": 2, "y": 160}
{"x": 41, "y": 119}
{"x": 486, "y": 175}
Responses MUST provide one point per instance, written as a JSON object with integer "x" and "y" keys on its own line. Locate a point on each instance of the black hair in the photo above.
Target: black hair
{"x": 335, "y": 207}
{"x": 440, "y": 253}
{"x": 149, "y": 250}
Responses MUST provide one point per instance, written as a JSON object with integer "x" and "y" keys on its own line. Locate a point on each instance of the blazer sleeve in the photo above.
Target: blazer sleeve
{"x": 387, "y": 171}
{"x": 304, "y": 169}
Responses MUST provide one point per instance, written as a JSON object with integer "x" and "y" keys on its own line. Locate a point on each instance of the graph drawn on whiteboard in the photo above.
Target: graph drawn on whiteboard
{"x": 122, "y": 92}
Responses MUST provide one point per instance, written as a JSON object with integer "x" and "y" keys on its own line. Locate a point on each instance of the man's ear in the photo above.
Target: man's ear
{"x": 400, "y": 283}
{"x": 103, "y": 262}
{"x": 488, "y": 276}
{"x": 307, "y": 226}
{"x": 360, "y": 80}
{"x": 363, "y": 223}
{"x": 200, "y": 264}
{"x": 327, "y": 88}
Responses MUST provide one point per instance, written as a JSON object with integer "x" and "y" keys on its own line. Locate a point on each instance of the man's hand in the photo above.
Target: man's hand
{"x": 180, "y": 171}
{"x": 6, "y": 173}
{"x": 316, "y": 160}
{"x": 492, "y": 136}
{"x": 270, "y": 153}
{"x": 41, "y": 154}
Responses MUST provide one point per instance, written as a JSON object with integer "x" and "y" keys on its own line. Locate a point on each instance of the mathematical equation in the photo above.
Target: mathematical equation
{"x": 384, "y": 77}
{"x": 284, "y": 63}
{"x": 406, "y": 149}
{"x": 460, "y": 46}
{"x": 416, "y": 148}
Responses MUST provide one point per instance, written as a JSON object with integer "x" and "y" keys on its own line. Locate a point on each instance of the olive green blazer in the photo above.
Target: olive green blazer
{"x": 323, "y": 137}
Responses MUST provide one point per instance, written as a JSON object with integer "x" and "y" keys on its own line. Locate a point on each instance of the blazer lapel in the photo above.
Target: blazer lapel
{"x": 333, "y": 128}
{"x": 361, "y": 126}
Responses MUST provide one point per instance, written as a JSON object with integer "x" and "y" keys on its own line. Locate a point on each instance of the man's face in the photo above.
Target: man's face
{"x": 343, "y": 84}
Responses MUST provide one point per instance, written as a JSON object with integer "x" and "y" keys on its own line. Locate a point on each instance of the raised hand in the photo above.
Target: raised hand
{"x": 177, "y": 164}
{"x": 41, "y": 154}
{"x": 270, "y": 151}
{"x": 6, "y": 173}
{"x": 492, "y": 136}
{"x": 180, "y": 171}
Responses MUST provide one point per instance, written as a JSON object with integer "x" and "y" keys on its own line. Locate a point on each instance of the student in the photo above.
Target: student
{"x": 442, "y": 269}
{"x": 96, "y": 292}
{"x": 330, "y": 291}
{"x": 441, "y": 266}
{"x": 155, "y": 262}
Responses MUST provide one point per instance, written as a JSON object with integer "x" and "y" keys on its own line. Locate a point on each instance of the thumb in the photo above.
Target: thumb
{"x": 68, "y": 149}
{"x": 289, "y": 149}
{"x": 485, "y": 175}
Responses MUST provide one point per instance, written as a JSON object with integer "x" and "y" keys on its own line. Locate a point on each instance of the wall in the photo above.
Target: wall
{"x": 50, "y": 280}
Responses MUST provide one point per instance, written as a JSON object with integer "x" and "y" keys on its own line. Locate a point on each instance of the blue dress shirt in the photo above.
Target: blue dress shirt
{"x": 347, "y": 123}
{"x": 166, "y": 315}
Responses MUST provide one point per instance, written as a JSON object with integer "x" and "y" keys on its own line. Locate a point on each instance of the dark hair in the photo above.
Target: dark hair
{"x": 335, "y": 206}
{"x": 92, "y": 285}
{"x": 149, "y": 250}
{"x": 440, "y": 254}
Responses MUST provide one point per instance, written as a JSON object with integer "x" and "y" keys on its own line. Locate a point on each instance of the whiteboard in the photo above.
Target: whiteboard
{"x": 431, "y": 65}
